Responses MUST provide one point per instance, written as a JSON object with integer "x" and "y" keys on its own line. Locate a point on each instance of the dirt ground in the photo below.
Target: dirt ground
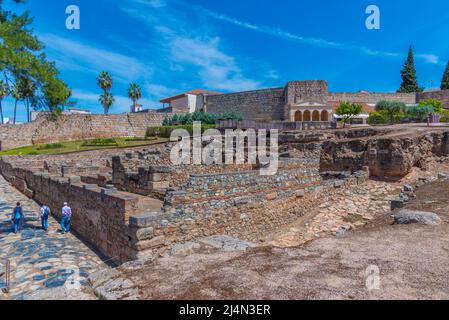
{"x": 412, "y": 261}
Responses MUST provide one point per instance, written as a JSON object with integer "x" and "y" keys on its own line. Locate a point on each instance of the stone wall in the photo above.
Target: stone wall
{"x": 442, "y": 95}
{"x": 78, "y": 127}
{"x": 372, "y": 97}
{"x": 100, "y": 216}
{"x": 259, "y": 105}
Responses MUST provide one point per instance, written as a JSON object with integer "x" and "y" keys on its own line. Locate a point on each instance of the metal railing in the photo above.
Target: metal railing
{"x": 7, "y": 277}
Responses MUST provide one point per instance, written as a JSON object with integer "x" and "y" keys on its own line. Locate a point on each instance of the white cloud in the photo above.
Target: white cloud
{"x": 279, "y": 33}
{"x": 430, "y": 58}
{"x": 216, "y": 69}
{"x": 78, "y": 56}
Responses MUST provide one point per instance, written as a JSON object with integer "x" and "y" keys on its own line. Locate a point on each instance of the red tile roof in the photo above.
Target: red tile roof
{"x": 195, "y": 91}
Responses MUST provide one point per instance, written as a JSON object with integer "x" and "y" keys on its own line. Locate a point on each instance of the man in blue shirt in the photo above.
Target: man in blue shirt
{"x": 66, "y": 216}
{"x": 45, "y": 213}
{"x": 17, "y": 216}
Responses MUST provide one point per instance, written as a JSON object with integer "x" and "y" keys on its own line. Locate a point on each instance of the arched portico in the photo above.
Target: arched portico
{"x": 324, "y": 115}
{"x": 298, "y": 116}
{"x": 307, "y": 116}
{"x": 316, "y": 115}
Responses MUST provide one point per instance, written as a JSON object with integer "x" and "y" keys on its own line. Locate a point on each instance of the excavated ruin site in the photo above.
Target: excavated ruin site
{"x": 225, "y": 232}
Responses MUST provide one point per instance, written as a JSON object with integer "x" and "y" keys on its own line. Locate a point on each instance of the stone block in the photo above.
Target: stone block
{"x": 146, "y": 219}
{"x": 396, "y": 204}
{"x": 74, "y": 179}
{"x": 158, "y": 185}
{"x": 300, "y": 193}
{"x": 155, "y": 177}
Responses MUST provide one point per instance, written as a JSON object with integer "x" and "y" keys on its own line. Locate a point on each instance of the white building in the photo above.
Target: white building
{"x": 187, "y": 102}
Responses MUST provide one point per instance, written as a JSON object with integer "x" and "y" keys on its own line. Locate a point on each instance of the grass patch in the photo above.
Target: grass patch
{"x": 51, "y": 146}
{"x": 109, "y": 142}
{"x": 82, "y": 145}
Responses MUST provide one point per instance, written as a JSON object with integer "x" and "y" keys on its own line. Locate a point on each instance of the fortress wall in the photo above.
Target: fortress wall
{"x": 78, "y": 127}
{"x": 258, "y": 105}
{"x": 372, "y": 97}
{"x": 442, "y": 95}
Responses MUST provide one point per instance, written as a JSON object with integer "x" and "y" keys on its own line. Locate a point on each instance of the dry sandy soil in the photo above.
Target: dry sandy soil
{"x": 412, "y": 260}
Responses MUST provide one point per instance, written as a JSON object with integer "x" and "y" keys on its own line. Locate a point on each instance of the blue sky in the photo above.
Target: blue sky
{"x": 169, "y": 46}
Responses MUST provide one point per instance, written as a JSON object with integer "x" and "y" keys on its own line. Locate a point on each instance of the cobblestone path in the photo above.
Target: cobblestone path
{"x": 42, "y": 261}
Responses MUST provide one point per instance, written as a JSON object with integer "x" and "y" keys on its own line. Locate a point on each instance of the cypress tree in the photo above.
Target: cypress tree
{"x": 408, "y": 74}
{"x": 445, "y": 81}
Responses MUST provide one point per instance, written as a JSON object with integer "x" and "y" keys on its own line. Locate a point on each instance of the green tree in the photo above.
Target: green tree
{"x": 105, "y": 82}
{"x": 392, "y": 108}
{"x": 4, "y": 92}
{"x": 436, "y": 104}
{"x": 445, "y": 80}
{"x": 107, "y": 100}
{"x": 420, "y": 112}
{"x": 23, "y": 65}
{"x": 408, "y": 74}
{"x": 348, "y": 110}
{"x": 134, "y": 93}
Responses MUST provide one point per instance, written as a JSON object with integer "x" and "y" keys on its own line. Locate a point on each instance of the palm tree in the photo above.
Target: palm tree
{"x": 4, "y": 92}
{"x": 104, "y": 81}
{"x": 17, "y": 97}
{"x": 106, "y": 99}
{"x": 134, "y": 93}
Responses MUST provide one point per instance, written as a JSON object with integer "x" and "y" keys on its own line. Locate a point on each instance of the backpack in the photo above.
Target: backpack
{"x": 17, "y": 213}
{"x": 46, "y": 212}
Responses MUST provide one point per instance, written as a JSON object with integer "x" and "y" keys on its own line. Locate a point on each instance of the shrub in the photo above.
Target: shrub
{"x": 204, "y": 118}
{"x": 444, "y": 113}
{"x": 419, "y": 112}
{"x": 165, "y": 131}
{"x": 378, "y": 117}
{"x": 392, "y": 108}
{"x": 434, "y": 103}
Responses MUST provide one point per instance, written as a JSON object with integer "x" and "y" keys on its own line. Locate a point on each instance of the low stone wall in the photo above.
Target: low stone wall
{"x": 78, "y": 127}
{"x": 100, "y": 215}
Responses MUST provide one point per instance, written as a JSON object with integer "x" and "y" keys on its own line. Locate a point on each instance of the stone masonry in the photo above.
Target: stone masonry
{"x": 78, "y": 127}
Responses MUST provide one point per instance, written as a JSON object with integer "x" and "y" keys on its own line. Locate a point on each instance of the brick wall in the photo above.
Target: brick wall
{"x": 258, "y": 105}
{"x": 78, "y": 127}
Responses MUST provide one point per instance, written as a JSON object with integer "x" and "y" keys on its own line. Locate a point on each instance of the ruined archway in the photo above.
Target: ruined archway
{"x": 324, "y": 115}
{"x": 298, "y": 116}
{"x": 316, "y": 116}
{"x": 307, "y": 116}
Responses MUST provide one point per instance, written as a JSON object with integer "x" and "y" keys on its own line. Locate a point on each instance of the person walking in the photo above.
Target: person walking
{"x": 66, "y": 216}
{"x": 45, "y": 213}
{"x": 17, "y": 216}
